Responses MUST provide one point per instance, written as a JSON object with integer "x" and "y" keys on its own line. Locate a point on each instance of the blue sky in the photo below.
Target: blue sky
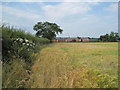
{"x": 85, "y": 19}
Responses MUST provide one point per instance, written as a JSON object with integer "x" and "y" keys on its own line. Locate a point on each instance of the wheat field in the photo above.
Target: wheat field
{"x": 76, "y": 65}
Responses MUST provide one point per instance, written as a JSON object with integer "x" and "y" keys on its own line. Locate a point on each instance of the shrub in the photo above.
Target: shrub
{"x": 19, "y": 44}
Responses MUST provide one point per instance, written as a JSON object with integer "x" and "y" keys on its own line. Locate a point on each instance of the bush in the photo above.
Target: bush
{"x": 18, "y": 49}
{"x": 19, "y": 44}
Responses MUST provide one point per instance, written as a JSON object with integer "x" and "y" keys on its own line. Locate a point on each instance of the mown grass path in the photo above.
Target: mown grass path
{"x": 76, "y": 65}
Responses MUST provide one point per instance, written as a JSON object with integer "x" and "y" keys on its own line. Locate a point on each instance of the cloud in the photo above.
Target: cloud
{"x": 19, "y": 13}
{"x": 89, "y": 25}
{"x": 74, "y": 18}
{"x": 19, "y": 18}
{"x": 66, "y": 9}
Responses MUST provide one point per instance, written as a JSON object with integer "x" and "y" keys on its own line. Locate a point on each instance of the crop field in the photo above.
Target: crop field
{"x": 76, "y": 65}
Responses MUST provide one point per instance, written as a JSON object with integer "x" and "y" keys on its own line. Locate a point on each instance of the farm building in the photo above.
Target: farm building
{"x": 78, "y": 40}
{"x": 85, "y": 39}
{"x": 68, "y": 39}
{"x": 55, "y": 40}
{"x": 59, "y": 39}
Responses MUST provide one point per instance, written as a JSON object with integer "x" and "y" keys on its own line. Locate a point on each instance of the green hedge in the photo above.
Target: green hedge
{"x": 19, "y": 44}
{"x": 18, "y": 55}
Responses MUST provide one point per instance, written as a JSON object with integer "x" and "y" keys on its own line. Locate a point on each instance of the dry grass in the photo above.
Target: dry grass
{"x": 76, "y": 65}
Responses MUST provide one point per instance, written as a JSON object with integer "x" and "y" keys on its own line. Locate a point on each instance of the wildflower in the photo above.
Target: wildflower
{"x": 17, "y": 39}
{"x": 26, "y": 40}
{"x": 21, "y": 40}
{"x": 27, "y": 44}
{"x": 31, "y": 45}
{"x": 23, "y": 43}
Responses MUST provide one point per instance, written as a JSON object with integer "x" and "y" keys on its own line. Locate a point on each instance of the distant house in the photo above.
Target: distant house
{"x": 55, "y": 40}
{"x": 59, "y": 39}
{"x": 69, "y": 39}
{"x": 85, "y": 39}
{"x": 78, "y": 40}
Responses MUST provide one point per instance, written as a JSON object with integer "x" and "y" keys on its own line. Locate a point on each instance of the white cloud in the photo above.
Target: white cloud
{"x": 73, "y": 18}
{"x": 19, "y": 13}
{"x": 55, "y": 12}
{"x": 89, "y": 25}
{"x": 19, "y": 18}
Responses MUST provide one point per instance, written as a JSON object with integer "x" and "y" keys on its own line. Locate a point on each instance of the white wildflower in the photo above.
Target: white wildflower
{"x": 21, "y": 40}
{"x": 31, "y": 45}
{"x": 23, "y": 43}
{"x": 26, "y": 40}
{"x": 17, "y": 39}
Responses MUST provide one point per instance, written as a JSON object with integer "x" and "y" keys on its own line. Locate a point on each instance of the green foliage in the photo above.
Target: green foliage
{"x": 47, "y": 30}
{"x": 112, "y": 37}
{"x": 18, "y": 55}
{"x": 17, "y": 43}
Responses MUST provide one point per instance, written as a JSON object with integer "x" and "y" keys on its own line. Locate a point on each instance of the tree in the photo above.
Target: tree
{"x": 112, "y": 37}
{"x": 47, "y": 30}
{"x": 79, "y": 37}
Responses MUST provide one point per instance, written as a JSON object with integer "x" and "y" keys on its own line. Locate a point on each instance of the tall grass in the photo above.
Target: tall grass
{"x": 76, "y": 65}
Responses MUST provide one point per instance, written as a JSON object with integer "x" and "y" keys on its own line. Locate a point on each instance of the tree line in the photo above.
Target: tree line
{"x": 112, "y": 37}
{"x": 50, "y": 30}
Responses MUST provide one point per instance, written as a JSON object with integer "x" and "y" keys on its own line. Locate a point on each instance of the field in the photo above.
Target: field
{"x": 76, "y": 65}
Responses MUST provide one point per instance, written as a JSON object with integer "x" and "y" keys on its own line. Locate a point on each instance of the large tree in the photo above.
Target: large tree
{"x": 47, "y": 30}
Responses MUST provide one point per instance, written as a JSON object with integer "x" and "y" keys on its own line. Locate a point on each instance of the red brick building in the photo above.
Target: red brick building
{"x": 85, "y": 39}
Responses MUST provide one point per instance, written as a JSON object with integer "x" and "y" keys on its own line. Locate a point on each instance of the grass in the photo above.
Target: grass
{"x": 13, "y": 74}
{"x": 76, "y": 65}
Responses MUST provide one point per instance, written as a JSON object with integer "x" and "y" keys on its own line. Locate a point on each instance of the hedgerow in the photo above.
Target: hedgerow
{"x": 18, "y": 55}
{"x": 19, "y": 44}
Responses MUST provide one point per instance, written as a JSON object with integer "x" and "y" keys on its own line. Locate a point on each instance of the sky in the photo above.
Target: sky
{"x": 84, "y": 19}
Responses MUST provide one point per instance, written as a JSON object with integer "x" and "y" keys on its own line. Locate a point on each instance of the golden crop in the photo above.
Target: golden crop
{"x": 76, "y": 65}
